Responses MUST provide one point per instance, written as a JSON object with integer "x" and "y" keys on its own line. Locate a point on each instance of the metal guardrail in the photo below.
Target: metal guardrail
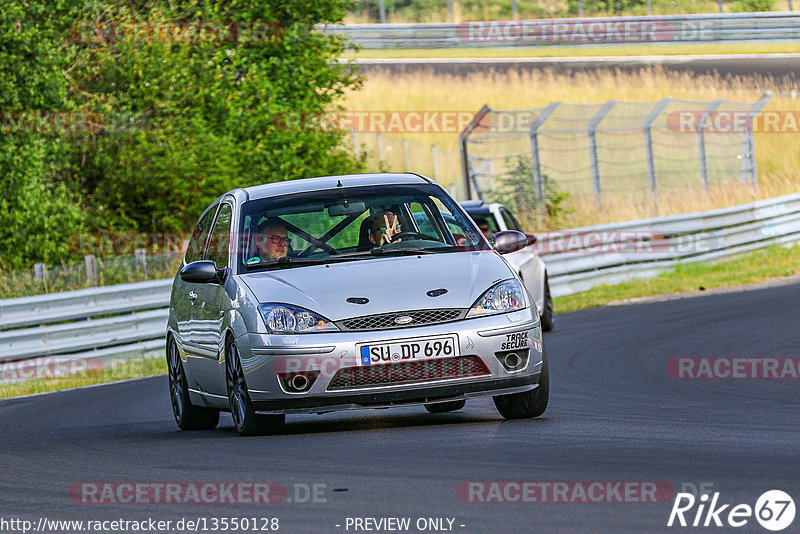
{"x": 585, "y": 257}
{"x": 610, "y": 254}
{"x": 728, "y": 27}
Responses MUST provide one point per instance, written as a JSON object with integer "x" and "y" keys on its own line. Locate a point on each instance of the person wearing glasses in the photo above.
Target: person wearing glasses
{"x": 271, "y": 243}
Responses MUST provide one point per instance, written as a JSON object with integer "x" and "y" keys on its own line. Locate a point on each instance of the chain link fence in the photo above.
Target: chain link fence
{"x": 611, "y": 152}
{"x": 93, "y": 271}
{"x": 387, "y": 153}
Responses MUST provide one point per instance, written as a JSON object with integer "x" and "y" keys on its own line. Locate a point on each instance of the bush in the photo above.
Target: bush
{"x": 517, "y": 190}
{"x": 757, "y": 5}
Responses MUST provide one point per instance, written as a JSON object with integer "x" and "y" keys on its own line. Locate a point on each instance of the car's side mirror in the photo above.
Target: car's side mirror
{"x": 532, "y": 239}
{"x": 202, "y": 272}
{"x": 509, "y": 241}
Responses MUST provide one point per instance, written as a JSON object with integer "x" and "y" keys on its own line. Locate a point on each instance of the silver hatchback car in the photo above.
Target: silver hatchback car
{"x": 346, "y": 292}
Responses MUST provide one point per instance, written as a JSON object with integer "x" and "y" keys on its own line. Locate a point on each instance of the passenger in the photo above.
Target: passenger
{"x": 484, "y": 227}
{"x": 271, "y": 243}
{"x": 384, "y": 227}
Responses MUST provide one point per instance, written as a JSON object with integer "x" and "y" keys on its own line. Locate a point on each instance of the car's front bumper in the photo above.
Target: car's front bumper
{"x": 265, "y": 358}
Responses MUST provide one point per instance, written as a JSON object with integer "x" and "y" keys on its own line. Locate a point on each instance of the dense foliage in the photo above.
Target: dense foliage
{"x": 184, "y": 100}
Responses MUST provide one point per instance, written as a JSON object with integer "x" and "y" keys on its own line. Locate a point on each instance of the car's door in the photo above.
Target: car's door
{"x": 210, "y": 306}
{"x": 185, "y": 293}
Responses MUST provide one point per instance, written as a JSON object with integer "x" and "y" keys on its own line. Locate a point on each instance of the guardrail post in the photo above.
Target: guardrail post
{"x": 450, "y": 10}
{"x": 749, "y": 172}
{"x": 382, "y": 10}
{"x": 355, "y": 143}
{"x": 536, "y": 164}
{"x": 91, "y": 269}
{"x": 141, "y": 257}
{"x": 648, "y": 143}
{"x": 593, "y": 124}
{"x": 580, "y": 8}
{"x": 719, "y": 4}
{"x": 463, "y": 139}
{"x": 406, "y": 155}
{"x": 380, "y": 147}
{"x": 515, "y": 11}
{"x": 705, "y": 117}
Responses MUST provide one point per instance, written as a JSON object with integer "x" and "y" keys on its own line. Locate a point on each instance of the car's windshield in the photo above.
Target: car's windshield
{"x": 348, "y": 224}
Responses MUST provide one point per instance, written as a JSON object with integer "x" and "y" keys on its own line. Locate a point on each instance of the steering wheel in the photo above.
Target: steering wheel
{"x": 411, "y": 235}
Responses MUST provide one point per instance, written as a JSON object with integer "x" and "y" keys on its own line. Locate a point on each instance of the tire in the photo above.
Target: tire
{"x": 188, "y": 416}
{"x": 528, "y": 403}
{"x": 548, "y": 320}
{"x": 246, "y": 421}
{"x": 443, "y": 407}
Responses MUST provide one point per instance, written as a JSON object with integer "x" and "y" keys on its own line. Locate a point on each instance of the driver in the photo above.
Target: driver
{"x": 271, "y": 243}
{"x": 384, "y": 227}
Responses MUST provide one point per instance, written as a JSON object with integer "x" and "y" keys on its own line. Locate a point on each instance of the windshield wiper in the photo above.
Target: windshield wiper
{"x": 287, "y": 262}
{"x": 380, "y": 251}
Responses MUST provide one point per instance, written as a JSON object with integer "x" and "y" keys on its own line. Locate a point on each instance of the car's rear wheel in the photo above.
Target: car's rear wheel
{"x": 188, "y": 416}
{"x": 548, "y": 320}
{"x": 245, "y": 419}
{"x": 528, "y": 403}
{"x": 442, "y": 407}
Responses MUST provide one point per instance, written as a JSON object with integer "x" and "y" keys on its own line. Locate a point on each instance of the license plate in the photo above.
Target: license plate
{"x": 408, "y": 350}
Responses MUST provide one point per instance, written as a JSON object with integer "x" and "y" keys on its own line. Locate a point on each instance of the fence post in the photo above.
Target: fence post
{"x": 536, "y": 164}
{"x": 705, "y": 118}
{"x": 514, "y": 10}
{"x": 141, "y": 257}
{"x": 40, "y": 272}
{"x": 648, "y": 142}
{"x": 406, "y": 155}
{"x": 355, "y": 143}
{"x": 580, "y": 8}
{"x": 450, "y": 10}
{"x": 435, "y": 163}
{"x": 749, "y": 172}
{"x": 462, "y": 146}
{"x": 382, "y": 10}
{"x": 719, "y": 4}
{"x": 593, "y": 124}
{"x": 91, "y": 269}
{"x": 380, "y": 147}
{"x": 650, "y": 8}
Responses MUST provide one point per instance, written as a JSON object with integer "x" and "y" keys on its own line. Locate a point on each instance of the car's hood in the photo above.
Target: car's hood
{"x": 390, "y": 284}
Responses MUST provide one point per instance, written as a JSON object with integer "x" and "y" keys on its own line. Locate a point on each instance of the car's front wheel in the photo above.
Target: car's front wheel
{"x": 245, "y": 419}
{"x": 527, "y": 404}
{"x": 443, "y": 407}
{"x": 188, "y": 416}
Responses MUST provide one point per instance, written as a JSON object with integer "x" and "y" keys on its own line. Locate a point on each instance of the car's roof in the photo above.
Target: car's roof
{"x": 477, "y": 207}
{"x": 331, "y": 182}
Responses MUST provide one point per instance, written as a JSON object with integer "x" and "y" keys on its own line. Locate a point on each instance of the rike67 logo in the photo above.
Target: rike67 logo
{"x": 774, "y": 510}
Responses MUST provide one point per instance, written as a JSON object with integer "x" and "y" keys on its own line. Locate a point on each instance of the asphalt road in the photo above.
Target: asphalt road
{"x": 615, "y": 415}
{"x": 785, "y": 67}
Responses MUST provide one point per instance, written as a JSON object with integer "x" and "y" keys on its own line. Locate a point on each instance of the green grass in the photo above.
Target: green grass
{"x": 772, "y": 262}
{"x": 583, "y": 51}
{"x": 123, "y": 371}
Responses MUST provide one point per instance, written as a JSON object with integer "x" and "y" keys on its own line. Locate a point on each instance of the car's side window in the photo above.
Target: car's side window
{"x": 220, "y": 242}
{"x": 511, "y": 222}
{"x": 194, "y": 252}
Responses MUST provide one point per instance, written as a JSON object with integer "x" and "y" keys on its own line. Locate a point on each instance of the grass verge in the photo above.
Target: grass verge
{"x": 665, "y": 49}
{"x": 123, "y": 371}
{"x": 772, "y": 262}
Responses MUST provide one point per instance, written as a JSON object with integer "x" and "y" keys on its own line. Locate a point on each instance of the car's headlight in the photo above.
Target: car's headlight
{"x": 503, "y": 298}
{"x": 288, "y": 319}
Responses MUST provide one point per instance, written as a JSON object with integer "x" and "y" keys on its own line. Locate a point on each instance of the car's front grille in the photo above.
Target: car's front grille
{"x": 386, "y": 321}
{"x": 390, "y": 374}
